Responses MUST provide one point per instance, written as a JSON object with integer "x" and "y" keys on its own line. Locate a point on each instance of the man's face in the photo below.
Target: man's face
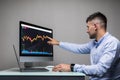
{"x": 91, "y": 29}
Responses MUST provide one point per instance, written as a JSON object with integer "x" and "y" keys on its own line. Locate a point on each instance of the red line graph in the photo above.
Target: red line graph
{"x": 34, "y": 39}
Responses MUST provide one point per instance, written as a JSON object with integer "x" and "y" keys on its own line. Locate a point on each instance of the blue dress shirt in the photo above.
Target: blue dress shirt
{"x": 101, "y": 53}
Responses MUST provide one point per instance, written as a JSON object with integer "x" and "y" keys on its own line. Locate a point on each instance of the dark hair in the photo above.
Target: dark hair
{"x": 98, "y": 15}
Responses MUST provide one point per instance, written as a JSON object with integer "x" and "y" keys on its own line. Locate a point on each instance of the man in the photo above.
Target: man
{"x": 102, "y": 49}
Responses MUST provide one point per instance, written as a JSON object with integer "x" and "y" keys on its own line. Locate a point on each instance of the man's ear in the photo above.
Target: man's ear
{"x": 95, "y": 25}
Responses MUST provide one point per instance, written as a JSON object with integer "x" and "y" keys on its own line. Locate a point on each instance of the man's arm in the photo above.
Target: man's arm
{"x": 76, "y": 48}
{"x": 83, "y": 48}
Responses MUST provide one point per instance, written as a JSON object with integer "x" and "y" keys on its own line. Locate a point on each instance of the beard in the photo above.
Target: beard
{"x": 92, "y": 36}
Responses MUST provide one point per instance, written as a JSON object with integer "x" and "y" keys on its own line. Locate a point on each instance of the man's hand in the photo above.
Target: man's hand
{"x": 62, "y": 68}
{"x": 53, "y": 41}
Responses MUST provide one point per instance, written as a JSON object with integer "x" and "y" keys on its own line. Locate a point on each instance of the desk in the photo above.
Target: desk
{"x": 14, "y": 74}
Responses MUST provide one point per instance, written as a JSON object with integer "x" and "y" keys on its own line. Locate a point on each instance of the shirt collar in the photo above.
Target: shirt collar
{"x": 97, "y": 43}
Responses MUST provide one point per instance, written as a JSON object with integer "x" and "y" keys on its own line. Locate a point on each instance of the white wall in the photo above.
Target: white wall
{"x": 65, "y": 17}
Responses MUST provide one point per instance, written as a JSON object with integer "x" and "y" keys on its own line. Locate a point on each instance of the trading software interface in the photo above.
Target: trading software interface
{"x": 34, "y": 40}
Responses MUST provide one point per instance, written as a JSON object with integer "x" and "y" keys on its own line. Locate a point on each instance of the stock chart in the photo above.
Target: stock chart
{"x": 34, "y": 41}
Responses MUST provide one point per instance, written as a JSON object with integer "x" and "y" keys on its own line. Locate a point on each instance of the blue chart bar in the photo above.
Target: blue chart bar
{"x": 27, "y": 52}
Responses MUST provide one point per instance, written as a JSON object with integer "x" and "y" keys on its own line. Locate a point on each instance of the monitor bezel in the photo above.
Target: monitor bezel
{"x": 35, "y": 55}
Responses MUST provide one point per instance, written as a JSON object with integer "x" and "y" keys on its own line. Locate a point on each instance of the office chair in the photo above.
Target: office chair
{"x": 113, "y": 73}
{"x": 115, "y": 66}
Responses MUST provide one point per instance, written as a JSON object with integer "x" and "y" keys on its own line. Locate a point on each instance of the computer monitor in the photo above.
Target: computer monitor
{"x": 33, "y": 46}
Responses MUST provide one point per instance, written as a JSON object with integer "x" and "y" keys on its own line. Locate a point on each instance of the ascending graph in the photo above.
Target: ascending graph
{"x": 35, "y": 38}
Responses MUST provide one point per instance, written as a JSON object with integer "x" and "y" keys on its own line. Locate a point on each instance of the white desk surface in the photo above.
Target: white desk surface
{"x": 16, "y": 72}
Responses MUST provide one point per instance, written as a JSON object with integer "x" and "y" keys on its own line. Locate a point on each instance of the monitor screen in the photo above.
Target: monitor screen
{"x": 33, "y": 41}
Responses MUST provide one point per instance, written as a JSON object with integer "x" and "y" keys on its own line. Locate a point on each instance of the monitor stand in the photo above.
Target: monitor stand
{"x": 28, "y": 67}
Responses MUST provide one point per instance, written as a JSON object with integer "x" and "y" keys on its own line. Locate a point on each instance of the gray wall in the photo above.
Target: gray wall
{"x": 65, "y": 17}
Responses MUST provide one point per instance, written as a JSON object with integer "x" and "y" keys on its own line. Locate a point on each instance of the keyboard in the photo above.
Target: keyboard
{"x": 34, "y": 70}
